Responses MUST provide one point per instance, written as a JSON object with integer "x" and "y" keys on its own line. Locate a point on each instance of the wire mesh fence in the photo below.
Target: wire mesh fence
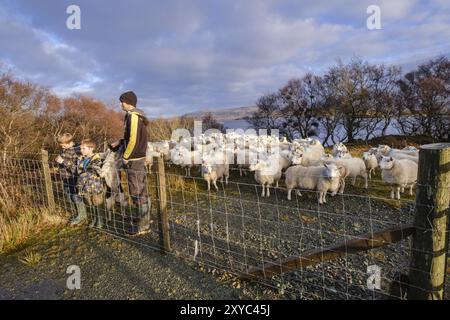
{"x": 357, "y": 245}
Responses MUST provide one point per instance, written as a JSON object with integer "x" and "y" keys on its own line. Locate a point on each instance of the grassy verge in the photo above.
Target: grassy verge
{"x": 17, "y": 228}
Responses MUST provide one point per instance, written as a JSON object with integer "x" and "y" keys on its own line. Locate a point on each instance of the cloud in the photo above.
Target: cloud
{"x": 183, "y": 55}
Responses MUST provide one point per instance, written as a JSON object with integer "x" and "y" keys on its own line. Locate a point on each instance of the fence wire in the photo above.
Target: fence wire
{"x": 236, "y": 230}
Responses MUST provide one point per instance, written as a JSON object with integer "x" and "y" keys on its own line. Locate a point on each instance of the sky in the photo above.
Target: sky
{"x": 184, "y": 55}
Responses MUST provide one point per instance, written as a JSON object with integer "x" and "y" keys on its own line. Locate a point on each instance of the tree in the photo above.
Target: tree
{"x": 268, "y": 114}
{"x": 20, "y": 104}
{"x": 299, "y": 111}
{"x": 209, "y": 122}
{"x": 423, "y": 103}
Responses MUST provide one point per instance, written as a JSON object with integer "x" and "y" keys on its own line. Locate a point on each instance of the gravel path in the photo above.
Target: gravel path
{"x": 112, "y": 268}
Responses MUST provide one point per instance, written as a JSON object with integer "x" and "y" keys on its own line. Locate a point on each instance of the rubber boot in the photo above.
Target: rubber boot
{"x": 94, "y": 217}
{"x": 99, "y": 218}
{"x": 81, "y": 213}
{"x": 144, "y": 218}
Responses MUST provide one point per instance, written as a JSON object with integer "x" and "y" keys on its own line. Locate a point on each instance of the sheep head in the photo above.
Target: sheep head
{"x": 387, "y": 163}
{"x": 331, "y": 171}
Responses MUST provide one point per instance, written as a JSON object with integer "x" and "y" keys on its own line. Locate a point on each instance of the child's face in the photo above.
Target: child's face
{"x": 86, "y": 151}
{"x": 66, "y": 145}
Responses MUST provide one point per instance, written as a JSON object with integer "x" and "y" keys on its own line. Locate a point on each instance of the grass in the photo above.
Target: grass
{"x": 31, "y": 259}
{"x": 17, "y": 227}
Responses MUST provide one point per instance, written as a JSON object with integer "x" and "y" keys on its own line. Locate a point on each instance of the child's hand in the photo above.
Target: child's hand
{"x": 125, "y": 161}
{"x": 59, "y": 159}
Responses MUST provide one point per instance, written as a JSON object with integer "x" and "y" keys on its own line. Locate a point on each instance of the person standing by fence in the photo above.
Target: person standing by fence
{"x": 67, "y": 161}
{"x": 89, "y": 183}
{"x": 134, "y": 144}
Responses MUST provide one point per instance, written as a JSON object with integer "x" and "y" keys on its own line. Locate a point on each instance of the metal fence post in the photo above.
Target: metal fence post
{"x": 429, "y": 250}
{"x": 163, "y": 218}
{"x": 48, "y": 180}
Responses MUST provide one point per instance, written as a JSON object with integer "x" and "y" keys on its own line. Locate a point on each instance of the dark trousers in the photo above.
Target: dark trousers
{"x": 70, "y": 190}
{"x": 137, "y": 182}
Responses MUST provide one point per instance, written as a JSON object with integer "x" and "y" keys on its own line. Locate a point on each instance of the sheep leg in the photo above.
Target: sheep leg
{"x": 366, "y": 184}
{"x": 215, "y": 185}
{"x": 320, "y": 197}
{"x": 398, "y": 193}
{"x": 240, "y": 171}
{"x": 298, "y": 193}
{"x": 342, "y": 187}
{"x": 392, "y": 193}
{"x": 354, "y": 181}
{"x": 226, "y": 180}
{"x": 410, "y": 189}
{"x": 267, "y": 191}
{"x": 277, "y": 183}
{"x": 402, "y": 189}
{"x": 289, "y": 194}
{"x": 262, "y": 193}
{"x": 110, "y": 202}
{"x": 209, "y": 185}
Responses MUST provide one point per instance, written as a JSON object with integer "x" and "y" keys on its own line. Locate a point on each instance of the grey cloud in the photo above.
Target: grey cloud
{"x": 185, "y": 55}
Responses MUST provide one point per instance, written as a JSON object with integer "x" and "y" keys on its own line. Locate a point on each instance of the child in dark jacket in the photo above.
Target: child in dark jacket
{"x": 67, "y": 161}
{"x": 90, "y": 183}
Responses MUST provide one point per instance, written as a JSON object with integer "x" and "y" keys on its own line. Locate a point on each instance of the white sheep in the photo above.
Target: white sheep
{"x": 339, "y": 147}
{"x": 267, "y": 172}
{"x": 213, "y": 172}
{"x": 371, "y": 162}
{"x": 355, "y": 167}
{"x": 185, "y": 158}
{"x": 110, "y": 172}
{"x": 343, "y": 154}
{"x": 323, "y": 178}
{"x": 399, "y": 174}
{"x": 307, "y": 157}
{"x": 388, "y": 151}
{"x": 403, "y": 156}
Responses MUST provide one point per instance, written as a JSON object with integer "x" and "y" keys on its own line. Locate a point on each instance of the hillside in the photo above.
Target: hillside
{"x": 224, "y": 114}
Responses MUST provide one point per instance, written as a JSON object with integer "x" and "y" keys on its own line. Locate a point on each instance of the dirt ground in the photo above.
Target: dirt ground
{"x": 112, "y": 268}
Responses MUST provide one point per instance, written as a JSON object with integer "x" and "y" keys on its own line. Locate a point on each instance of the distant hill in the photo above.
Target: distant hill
{"x": 224, "y": 114}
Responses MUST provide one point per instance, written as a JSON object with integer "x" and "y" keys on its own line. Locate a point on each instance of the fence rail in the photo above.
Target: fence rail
{"x": 359, "y": 245}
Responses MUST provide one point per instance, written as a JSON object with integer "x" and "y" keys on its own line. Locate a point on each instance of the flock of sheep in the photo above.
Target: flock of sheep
{"x": 304, "y": 162}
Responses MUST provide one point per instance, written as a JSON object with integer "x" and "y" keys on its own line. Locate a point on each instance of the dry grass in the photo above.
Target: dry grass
{"x": 31, "y": 259}
{"x": 16, "y": 228}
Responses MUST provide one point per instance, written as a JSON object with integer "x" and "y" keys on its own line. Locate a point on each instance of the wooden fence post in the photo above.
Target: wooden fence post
{"x": 429, "y": 250}
{"x": 48, "y": 180}
{"x": 163, "y": 218}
